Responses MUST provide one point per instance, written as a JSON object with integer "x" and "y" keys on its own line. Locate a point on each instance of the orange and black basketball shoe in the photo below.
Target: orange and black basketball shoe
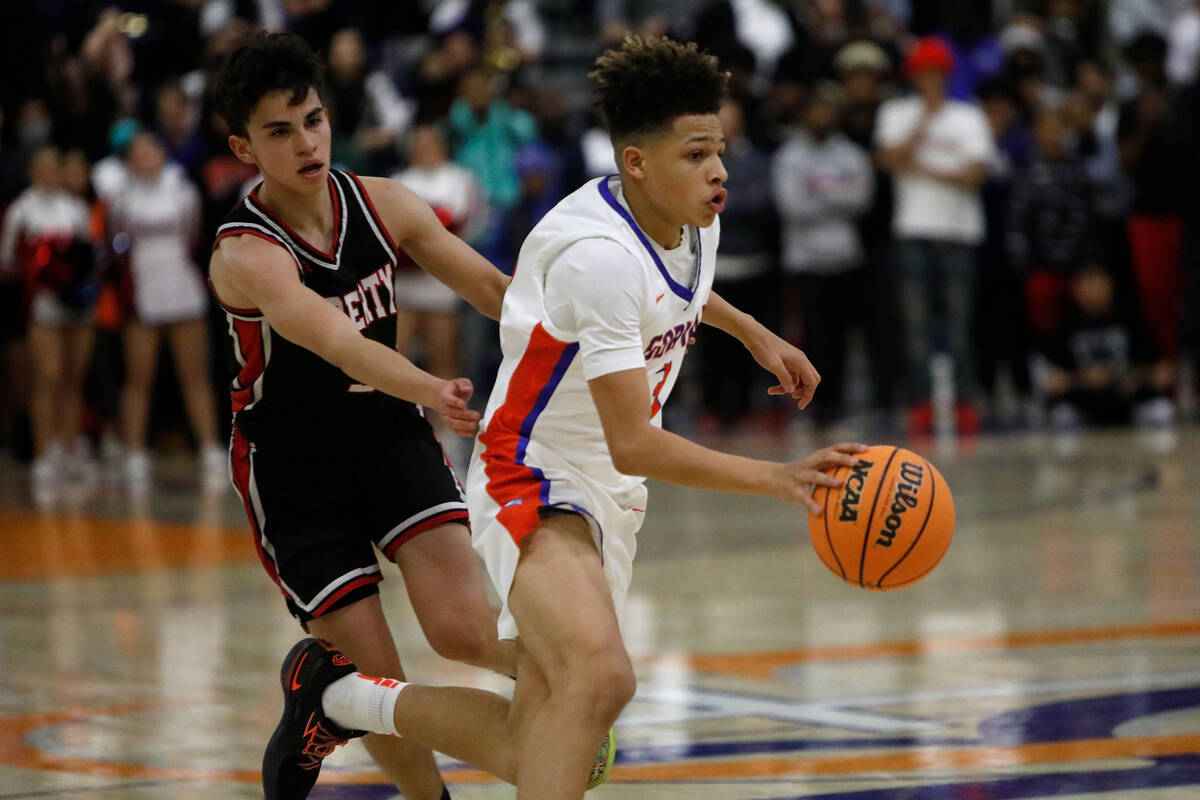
{"x": 304, "y": 735}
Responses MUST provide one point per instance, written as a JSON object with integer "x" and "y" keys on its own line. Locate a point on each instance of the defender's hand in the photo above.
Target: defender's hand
{"x": 452, "y": 406}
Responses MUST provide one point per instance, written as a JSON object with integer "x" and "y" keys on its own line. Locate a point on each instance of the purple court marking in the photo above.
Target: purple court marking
{"x": 1164, "y": 773}
{"x": 1087, "y": 718}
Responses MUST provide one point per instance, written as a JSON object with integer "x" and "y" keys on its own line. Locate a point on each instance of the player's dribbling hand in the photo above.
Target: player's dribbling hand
{"x": 452, "y": 406}
{"x": 796, "y": 480}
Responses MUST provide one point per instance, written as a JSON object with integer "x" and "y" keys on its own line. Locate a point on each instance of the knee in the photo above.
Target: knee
{"x": 602, "y": 686}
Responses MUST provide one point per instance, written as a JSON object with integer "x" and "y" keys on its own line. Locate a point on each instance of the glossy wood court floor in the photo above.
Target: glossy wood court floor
{"x": 1054, "y": 653}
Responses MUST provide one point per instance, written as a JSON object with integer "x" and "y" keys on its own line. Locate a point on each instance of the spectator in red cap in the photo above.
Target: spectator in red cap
{"x": 930, "y": 54}
{"x": 938, "y": 151}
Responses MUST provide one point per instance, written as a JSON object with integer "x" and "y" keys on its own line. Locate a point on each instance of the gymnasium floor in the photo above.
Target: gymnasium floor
{"x": 1054, "y": 653}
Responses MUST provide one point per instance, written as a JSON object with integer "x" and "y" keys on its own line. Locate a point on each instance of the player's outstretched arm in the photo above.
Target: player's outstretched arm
{"x": 640, "y": 448}
{"x": 415, "y": 227}
{"x": 248, "y": 272}
{"x": 797, "y": 376}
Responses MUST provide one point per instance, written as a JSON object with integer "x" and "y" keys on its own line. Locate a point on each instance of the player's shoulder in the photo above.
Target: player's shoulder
{"x": 237, "y": 251}
{"x": 582, "y": 213}
{"x": 380, "y": 189}
{"x": 391, "y": 199}
{"x": 597, "y": 248}
{"x": 594, "y": 266}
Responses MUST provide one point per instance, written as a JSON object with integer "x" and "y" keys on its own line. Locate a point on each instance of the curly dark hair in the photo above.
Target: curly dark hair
{"x": 643, "y": 85}
{"x": 267, "y": 63}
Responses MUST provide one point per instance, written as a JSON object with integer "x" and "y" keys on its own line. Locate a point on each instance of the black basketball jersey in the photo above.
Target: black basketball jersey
{"x": 280, "y": 390}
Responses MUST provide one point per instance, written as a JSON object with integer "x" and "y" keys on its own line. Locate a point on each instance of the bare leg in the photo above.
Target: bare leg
{"x": 46, "y": 349}
{"x": 460, "y": 624}
{"x": 360, "y": 631}
{"x": 141, "y": 360}
{"x": 578, "y": 647}
{"x": 571, "y": 683}
{"x": 76, "y": 358}
{"x": 189, "y": 347}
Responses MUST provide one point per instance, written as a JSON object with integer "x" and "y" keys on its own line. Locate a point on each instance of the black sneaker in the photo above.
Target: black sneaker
{"x": 304, "y": 736}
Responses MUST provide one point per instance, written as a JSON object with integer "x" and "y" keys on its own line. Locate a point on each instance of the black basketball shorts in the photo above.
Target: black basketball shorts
{"x": 317, "y": 513}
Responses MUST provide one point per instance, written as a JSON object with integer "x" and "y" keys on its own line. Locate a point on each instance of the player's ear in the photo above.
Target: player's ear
{"x": 633, "y": 160}
{"x": 241, "y": 149}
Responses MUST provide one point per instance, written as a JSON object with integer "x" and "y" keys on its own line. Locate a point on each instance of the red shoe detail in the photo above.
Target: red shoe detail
{"x": 318, "y": 743}
{"x": 296, "y": 672}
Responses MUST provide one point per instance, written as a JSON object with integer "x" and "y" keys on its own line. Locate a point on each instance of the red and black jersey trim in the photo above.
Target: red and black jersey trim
{"x": 252, "y": 349}
{"x": 266, "y": 234}
{"x": 330, "y": 259}
{"x": 376, "y": 222}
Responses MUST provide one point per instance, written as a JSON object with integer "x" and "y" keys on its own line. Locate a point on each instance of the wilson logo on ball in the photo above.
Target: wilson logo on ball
{"x": 904, "y": 498}
{"x": 888, "y": 524}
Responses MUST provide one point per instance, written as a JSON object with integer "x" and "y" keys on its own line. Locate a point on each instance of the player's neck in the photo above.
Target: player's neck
{"x": 667, "y": 232}
{"x": 309, "y": 214}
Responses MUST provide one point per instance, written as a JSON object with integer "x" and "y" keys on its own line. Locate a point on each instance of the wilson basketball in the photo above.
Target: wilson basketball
{"x": 889, "y": 524}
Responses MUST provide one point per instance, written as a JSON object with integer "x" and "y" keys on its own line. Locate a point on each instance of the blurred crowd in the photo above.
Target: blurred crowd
{"x": 971, "y": 215}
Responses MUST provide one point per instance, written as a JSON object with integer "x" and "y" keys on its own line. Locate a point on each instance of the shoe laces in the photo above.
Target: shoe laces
{"x": 320, "y": 743}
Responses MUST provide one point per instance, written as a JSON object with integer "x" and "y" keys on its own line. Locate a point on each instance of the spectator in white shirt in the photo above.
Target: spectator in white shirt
{"x": 1183, "y": 46}
{"x": 822, "y": 183}
{"x": 938, "y": 150}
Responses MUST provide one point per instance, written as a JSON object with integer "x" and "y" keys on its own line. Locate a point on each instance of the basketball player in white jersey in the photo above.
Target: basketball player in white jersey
{"x": 609, "y": 289}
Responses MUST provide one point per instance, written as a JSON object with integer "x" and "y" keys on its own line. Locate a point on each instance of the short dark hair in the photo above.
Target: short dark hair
{"x": 267, "y": 63}
{"x": 644, "y": 84}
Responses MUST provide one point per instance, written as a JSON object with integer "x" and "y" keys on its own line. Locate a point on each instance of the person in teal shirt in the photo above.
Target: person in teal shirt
{"x": 486, "y": 134}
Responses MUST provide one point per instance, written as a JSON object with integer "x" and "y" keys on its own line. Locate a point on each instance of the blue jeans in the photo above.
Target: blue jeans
{"x": 937, "y": 295}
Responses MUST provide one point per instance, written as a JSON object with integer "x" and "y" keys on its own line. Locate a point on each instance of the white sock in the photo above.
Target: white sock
{"x": 360, "y": 702}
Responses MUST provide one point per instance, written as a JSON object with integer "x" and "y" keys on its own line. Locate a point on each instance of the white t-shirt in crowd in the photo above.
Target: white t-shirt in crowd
{"x": 1183, "y": 48}
{"x": 956, "y": 137}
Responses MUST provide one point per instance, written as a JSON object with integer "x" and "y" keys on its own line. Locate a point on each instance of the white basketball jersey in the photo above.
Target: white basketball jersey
{"x": 540, "y": 418}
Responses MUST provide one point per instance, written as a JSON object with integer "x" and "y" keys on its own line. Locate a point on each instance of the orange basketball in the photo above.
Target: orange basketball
{"x": 889, "y": 524}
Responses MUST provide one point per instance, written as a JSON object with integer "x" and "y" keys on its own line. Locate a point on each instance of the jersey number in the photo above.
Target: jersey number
{"x": 665, "y": 371}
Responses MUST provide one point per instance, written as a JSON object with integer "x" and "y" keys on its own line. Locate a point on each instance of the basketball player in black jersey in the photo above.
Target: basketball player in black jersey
{"x": 331, "y": 452}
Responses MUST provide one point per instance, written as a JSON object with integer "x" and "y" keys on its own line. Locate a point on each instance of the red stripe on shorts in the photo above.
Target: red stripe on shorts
{"x": 513, "y": 485}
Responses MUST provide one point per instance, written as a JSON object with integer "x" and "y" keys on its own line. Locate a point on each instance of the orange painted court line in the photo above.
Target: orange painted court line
{"x": 41, "y": 546}
{"x": 14, "y": 751}
{"x": 764, "y": 665}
